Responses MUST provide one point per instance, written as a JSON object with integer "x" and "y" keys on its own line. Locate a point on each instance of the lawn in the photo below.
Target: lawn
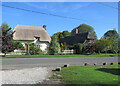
{"x": 91, "y": 75}
{"x": 46, "y": 56}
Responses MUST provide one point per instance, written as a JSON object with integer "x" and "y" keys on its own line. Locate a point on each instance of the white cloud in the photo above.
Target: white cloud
{"x": 59, "y": 7}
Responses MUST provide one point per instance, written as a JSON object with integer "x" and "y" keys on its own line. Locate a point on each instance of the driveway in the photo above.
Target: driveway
{"x": 18, "y": 63}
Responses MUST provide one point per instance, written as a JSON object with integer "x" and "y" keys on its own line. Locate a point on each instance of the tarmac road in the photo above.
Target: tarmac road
{"x": 18, "y": 63}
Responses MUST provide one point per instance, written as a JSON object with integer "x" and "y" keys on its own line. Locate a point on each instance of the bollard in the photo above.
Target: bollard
{"x": 86, "y": 64}
{"x": 58, "y": 69}
{"x": 66, "y": 65}
{"x": 94, "y": 63}
{"x": 111, "y": 63}
{"x": 104, "y": 63}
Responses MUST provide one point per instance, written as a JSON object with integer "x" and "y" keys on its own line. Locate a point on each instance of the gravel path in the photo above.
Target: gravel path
{"x": 25, "y": 76}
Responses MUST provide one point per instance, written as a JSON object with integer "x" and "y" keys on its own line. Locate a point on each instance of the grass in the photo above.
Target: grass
{"x": 90, "y": 75}
{"x": 46, "y": 56}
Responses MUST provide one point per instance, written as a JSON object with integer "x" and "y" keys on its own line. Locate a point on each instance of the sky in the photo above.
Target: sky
{"x": 102, "y": 17}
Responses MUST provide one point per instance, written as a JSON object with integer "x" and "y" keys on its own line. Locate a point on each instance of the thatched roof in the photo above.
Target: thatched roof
{"x": 77, "y": 38}
{"x": 25, "y": 32}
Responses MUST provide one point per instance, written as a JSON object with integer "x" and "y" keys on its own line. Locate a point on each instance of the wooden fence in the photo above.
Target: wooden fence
{"x": 68, "y": 52}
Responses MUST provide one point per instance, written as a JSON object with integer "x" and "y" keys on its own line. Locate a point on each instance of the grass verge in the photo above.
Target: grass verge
{"x": 56, "y": 56}
{"x": 90, "y": 75}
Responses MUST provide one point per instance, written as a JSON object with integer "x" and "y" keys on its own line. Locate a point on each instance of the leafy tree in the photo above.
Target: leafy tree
{"x": 34, "y": 50}
{"x": 102, "y": 45}
{"x": 60, "y": 36}
{"x": 85, "y": 28}
{"x": 118, "y": 47}
{"x": 89, "y": 48}
{"x": 57, "y": 35}
{"x": 19, "y": 44}
{"x": 79, "y": 48}
{"x": 5, "y": 26}
{"x": 7, "y": 44}
{"x": 63, "y": 46}
{"x": 112, "y": 34}
{"x": 54, "y": 47}
{"x": 66, "y": 33}
{"x": 114, "y": 47}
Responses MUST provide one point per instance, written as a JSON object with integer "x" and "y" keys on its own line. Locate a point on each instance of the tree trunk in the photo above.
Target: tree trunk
{"x": 99, "y": 52}
{"x": 5, "y": 54}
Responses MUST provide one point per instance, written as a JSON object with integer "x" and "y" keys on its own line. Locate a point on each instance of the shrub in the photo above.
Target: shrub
{"x": 20, "y": 46}
{"x": 54, "y": 47}
{"x": 78, "y": 48}
{"x": 33, "y": 50}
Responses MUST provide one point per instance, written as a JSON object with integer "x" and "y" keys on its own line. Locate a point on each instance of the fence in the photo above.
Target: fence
{"x": 16, "y": 52}
{"x": 68, "y": 51}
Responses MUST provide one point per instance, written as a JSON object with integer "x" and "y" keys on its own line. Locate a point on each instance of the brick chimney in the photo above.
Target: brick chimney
{"x": 76, "y": 31}
{"x": 44, "y": 26}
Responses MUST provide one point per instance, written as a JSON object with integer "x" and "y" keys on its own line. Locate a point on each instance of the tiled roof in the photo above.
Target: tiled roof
{"x": 77, "y": 38}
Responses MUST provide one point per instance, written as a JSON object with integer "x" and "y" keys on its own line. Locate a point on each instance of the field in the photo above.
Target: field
{"x": 90, "y": 75}
{"x": 46, "y": 56}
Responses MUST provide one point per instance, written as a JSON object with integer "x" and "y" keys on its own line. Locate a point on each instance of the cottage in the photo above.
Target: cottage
{"x": 83, "y": 38}
{"x": 32, "y": 34}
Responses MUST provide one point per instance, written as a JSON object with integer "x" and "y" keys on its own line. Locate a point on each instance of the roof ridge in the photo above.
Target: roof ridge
{"x": 27, "y": 25}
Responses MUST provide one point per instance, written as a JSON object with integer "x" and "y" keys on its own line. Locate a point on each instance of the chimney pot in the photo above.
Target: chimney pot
{"x": 76, "y": 31}
{"x": 44, "y": 26}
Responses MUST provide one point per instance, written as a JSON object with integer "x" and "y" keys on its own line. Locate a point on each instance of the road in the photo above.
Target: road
{"x": 18, "y": 63}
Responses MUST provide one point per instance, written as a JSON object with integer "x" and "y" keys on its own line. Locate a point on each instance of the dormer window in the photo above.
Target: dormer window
{"x": 38, "y": 38}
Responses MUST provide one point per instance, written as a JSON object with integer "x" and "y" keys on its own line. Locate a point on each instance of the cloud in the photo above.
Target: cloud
{"x": 62, "y": 7}
{"x": 36, "y": 6}
{"x": 74, "y": 7}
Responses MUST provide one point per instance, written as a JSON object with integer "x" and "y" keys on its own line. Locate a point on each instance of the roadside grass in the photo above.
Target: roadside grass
{"x": 56, "y": 56}
{"x": 90, "y": 75}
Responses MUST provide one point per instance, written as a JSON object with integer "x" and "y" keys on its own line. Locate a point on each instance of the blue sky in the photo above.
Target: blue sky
{"x": 101, "y": 18}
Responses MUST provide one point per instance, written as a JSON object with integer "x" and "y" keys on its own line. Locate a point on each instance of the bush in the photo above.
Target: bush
{"x": 33, "y": 50}
{"x": 19, "y": 44}
{"x": 115, "y": 47}
{"x": 54, "y": 47}
{"x": 79, "y": 48}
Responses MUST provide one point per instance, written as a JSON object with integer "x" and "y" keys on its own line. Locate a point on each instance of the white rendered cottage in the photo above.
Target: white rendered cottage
{"x": 32, "y": 34}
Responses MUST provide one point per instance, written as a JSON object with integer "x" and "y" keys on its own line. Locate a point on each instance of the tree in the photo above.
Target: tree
{"x": 19, "y": 44}
{"x": 102, "y": 45}
{"x": 118, "y": 47}
{"x": 60, "y": 36}
{"x": 85, "y": 28}
{"x": 112, "y": 34}
{"x": 5, "y": 26}
{"x": 34, "y": 50}
{"x": 66, "y": 33}
{"x": 54, "y": 47}
{"x": 79, "y": 48}
{"x": 57, "y": 35}
{"x": 63, "y": 46}
{"x": 114, "y": 48}
{"x": 7, "y": 44}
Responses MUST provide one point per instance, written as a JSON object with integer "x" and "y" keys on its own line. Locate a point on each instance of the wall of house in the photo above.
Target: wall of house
{"x": 42, "y": 45}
